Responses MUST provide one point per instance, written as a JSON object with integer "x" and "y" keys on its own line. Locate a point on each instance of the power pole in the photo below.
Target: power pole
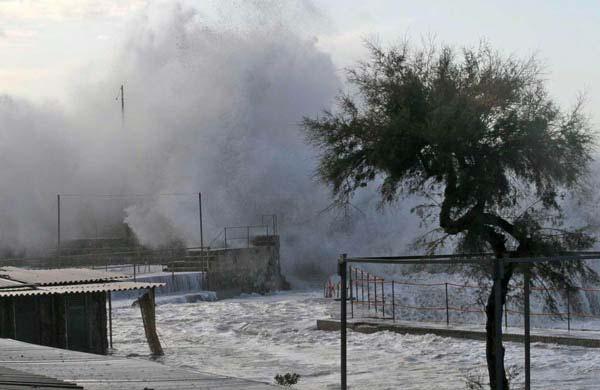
{"x": 122, "y": 106}
{"x": 200, "y": 217}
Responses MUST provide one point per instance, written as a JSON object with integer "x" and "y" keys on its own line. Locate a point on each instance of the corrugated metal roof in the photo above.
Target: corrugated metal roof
{"x": 50, "y": 277}
{"x": 78, "y": 288}
{"x": 8, "y": 283}
{"x": 13, "y": 379}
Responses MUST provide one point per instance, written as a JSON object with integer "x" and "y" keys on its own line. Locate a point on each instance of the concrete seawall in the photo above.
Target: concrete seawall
{"x": 590, "y": 339}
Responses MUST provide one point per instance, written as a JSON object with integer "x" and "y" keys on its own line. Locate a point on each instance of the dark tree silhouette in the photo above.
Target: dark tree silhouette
{"x": 477, "y": 133}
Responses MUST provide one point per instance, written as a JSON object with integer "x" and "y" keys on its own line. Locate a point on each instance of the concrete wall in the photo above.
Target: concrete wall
{"x": 246, "y": 270}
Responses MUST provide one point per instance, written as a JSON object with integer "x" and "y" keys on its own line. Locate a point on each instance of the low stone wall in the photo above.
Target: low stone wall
{"x": 589, "y": 339}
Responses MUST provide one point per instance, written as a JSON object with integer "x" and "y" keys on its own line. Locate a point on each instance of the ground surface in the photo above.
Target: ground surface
{"x": 99, "y": 372}
{"x": 259, "y": 337}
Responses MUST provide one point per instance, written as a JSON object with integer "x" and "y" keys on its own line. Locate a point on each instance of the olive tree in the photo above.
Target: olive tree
{"x": 476, "y": 135}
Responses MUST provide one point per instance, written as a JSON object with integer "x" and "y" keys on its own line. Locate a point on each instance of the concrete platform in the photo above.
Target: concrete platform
{"x": 99, "y": 372}
{"x": 589, "y": 339}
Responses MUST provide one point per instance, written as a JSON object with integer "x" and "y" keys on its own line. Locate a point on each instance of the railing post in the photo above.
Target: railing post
{"x": 362, "y": 285}
{"x": 568, "y": 310}
{"x": 498, "y": 323}
{"x": 506, "y": 315}
{"x": 447, "y": 306}
{"x": 248, "y": 235}
{"x": 526, "y": 314}
{"x": 58, "y": 226}
{"x": 393, "y": 303}
{"x": 383, "y": 298}
{"x": 200, "y": 218}
{"x": 356, "y": 283}
{"x": 225, "y": 230}
{"x": 375, "y": 291}
{"x": 351, "y": 300}
{"x": 342, "y": 272}
{"x": 368, "y": 292}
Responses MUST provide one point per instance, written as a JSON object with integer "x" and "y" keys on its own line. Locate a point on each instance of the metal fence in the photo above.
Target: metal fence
{"x": 374, "y": 296}
{"x": 496, "y": 264}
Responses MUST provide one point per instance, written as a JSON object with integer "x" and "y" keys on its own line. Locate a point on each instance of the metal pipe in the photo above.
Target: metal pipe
{"x": 498, "y": 324}
{"x": 568, "y": 310}
{"x": 368, "y": 292}
{"x": 58, "y": 226}
{"x": 356, "y": 283}
{"x": 393, "y": 303}
{"x": 375, "y": 291}
{"x": 343, "y": 369}
{"x": 351, "y": 300}
{"x": 527, "y": 339}
{"x": 447, "y": 306}
{"x": 506, "y": 315}
{"x": 200, "y": 217}
{"x": 362, "y": 285}
{"x": 382, "y": 298}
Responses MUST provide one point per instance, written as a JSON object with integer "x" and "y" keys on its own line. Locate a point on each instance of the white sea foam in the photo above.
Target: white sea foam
{"x": 259, "y": 337}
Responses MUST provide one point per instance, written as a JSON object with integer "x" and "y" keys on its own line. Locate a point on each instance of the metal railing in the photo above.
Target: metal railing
{"x": 496, "y": 264}
{"x": 381, "y": 299}
{"x": 235, "y": 234}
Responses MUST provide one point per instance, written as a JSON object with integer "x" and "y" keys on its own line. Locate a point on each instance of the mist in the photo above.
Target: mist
{"x": 212, "y": 104}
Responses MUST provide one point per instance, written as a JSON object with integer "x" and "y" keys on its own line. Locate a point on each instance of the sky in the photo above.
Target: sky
{"x": 215, "y": 89}
{"x": 46, "y": 45}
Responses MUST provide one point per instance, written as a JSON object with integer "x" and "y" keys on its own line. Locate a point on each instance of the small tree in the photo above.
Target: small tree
{"x": 475, "y": 134}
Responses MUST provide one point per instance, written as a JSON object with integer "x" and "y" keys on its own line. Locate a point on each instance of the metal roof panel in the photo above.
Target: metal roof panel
{"x": 78, "y": 288}
{"x": 49, "y": 277}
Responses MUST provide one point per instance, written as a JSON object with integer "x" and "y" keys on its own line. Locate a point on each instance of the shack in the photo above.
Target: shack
{"x": 66, "y": 308}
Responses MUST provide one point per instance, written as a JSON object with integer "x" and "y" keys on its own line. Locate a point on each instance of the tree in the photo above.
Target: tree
{"x": 476, "y": 134}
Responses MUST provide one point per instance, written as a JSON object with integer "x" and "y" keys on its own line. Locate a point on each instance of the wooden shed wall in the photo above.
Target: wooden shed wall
{"x": 71, "y": 321}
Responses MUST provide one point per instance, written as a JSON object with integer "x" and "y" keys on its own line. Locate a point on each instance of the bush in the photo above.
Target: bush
{"x": 287, "y": 380}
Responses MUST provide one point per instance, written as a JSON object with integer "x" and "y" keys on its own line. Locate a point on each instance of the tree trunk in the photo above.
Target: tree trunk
{"x": 490, "y": 329}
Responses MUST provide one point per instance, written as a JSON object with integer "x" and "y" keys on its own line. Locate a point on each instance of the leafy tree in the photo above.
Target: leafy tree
{"x": 477, "y": 136}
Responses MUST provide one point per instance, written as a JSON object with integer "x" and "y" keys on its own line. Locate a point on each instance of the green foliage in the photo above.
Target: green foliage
{"x": 474, "y": 133}
{"x": 287, "y": 380}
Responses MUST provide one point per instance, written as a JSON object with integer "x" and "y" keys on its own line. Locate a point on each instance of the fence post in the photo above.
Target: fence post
{"x": 526, "y": 314}
{"x": 351, "y": 300}
{"x": 498, "y": 323}
{"x": 393, "y": 303}
{"x": 383, "y": 298}
{"x": 568, "y": 310}
{"x": 356, "y": 283}
{"x": 506, "y": 315}
{"x": 342, "y": 272}
{"x": 368, "y": 292}
{"x": 225, "y": 230}
{"x": 248, "y": 235}
{"x": 375, "y": 291}
{"x": 447, "y": 307}
{"x": 362, "y": 285}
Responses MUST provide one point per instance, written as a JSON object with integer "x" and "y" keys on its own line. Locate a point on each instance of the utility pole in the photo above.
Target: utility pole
{"x": 121, "y": 96}
{"x": 58, "y": 225}
{"x": 200, "y": 216}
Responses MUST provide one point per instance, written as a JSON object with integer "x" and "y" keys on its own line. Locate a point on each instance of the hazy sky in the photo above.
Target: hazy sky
{"x": 46, "y": 44}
